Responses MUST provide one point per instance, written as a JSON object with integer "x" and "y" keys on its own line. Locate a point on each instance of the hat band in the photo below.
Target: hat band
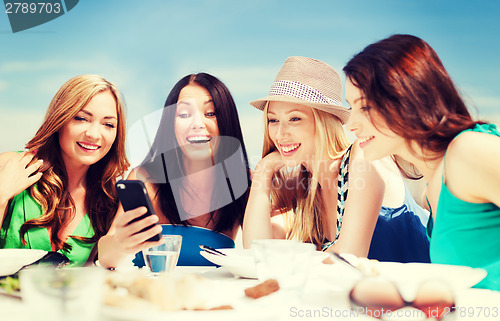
{"x": 300, "y": 91}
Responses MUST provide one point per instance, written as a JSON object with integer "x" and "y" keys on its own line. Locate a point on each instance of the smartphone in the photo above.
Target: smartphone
{"x": 133, "y": 194}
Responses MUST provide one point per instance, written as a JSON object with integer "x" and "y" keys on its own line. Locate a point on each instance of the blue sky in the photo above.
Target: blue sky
{"x": 146, "y": 46}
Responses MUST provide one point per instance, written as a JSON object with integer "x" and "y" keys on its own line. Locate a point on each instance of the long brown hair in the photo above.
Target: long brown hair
{"x": 228, "y": 216}
{"x": 299, "y": 198}
{"x": 51, "y": 192}
{"x": 404, "y": 81}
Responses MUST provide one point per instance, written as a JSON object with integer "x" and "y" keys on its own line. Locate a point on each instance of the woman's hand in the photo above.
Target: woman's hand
{"x": 265, "y": 169}
{"x": 128, "y": 235}
{"x": 16, "y": 175}
{"x": 125, "y": 238}
{"x": 257, "y": 220}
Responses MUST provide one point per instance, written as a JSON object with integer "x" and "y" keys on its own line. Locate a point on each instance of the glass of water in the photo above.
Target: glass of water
{"x": 62, "y": 294}
{"x": 163, "y": 258}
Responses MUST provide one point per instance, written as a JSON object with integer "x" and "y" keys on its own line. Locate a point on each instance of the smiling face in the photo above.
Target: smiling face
{"x": 196, "y": 128}
{"x": 88, "y": 137}
{"x": 292, "y": 129}
{"x": 372, "y": 132}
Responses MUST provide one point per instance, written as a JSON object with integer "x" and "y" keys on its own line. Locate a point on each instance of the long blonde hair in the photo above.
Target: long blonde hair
{"x": 51, "y": 192}
{"x": 303, "y": 204}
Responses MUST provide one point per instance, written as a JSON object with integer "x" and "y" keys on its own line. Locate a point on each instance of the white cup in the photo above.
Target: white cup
{"x": 62, "y": 294}
{"x": 163, "y": 258}
{"x": 287, "y": 261}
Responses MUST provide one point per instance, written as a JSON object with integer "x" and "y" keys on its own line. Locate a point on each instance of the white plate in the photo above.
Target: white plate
{"x": 240, "y": 262}
{"x": 11, "y": 260}
{"x": 407, "y": 276}
{"x": 113, "y": 313}
{"x": 458, "y": 277}
{"x": 207, "y": 292}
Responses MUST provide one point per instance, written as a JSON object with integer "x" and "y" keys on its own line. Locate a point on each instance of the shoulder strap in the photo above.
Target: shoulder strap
{"x": 430, "y": 222}
{"x": 343, "y": 186}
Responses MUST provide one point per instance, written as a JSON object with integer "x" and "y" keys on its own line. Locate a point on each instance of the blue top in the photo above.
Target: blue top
{"x": 468, "y": 233}
{"x": 400, "y": 233}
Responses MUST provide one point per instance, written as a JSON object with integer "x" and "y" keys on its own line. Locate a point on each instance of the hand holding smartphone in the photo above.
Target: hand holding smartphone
{"x": 133, "y": 194}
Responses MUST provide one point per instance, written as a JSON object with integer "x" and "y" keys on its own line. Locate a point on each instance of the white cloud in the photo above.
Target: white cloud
{"x": 17, "y": 128}
{"x": 486, "y": 104}
{"x": 31, "y": 66}
{"x": 243, "y": 79}
{"x": 252, "y": 127}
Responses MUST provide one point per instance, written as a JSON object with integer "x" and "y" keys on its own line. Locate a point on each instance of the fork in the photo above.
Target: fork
{"x": 211, "y": 250}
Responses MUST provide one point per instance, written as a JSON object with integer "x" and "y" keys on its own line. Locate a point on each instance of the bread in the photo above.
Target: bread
{"x": 265, "y": 288}
{"x": 165, "y": 292}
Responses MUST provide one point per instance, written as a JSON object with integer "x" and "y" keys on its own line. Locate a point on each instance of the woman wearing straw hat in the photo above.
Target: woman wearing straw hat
{"x": 313, "y": 186}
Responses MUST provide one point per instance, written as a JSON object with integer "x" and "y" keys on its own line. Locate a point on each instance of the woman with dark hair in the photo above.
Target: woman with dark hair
{"x": 60, "y": 195}
{"x": 196, "y": 172}
{"x": 405, "y": 104}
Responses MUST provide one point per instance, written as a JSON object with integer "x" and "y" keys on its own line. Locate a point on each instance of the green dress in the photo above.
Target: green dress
{"x": 23, "y": 208}
{"x": 468, "y": 233}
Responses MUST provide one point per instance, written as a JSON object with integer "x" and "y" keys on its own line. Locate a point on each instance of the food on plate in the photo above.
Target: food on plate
{"x": 221, "y": 307}
{"x": 166, "y": 292}
{"x": 328, "y": 260}
{"x": 262, "y": 289}
{"x": 10, "y": 284}
{"x": 368, "y": 267}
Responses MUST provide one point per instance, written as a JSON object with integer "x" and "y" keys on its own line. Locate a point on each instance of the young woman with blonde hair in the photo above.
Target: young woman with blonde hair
{"x": 311, "y": 185}
{"x": 60, "y": 194}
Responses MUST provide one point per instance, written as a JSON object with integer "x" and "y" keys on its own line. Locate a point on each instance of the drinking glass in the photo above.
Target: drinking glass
{"x": 163, "y": 258}
{"x": 62, "y": 294}
{"x": 287, "y": 261}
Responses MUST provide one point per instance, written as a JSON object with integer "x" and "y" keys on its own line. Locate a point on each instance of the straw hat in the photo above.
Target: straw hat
{"x": 307, "y": 82}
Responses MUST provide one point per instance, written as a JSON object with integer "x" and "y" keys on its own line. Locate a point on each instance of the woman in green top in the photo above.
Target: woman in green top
{"x": 60, "y": 195}
{"x": 404, "y": 103}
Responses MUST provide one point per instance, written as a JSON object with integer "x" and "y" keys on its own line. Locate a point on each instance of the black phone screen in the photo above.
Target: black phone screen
{"x": 133, "y": 194}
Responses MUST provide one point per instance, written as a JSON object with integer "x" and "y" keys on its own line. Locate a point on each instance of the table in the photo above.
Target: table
{"x": 321, "y": 300}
